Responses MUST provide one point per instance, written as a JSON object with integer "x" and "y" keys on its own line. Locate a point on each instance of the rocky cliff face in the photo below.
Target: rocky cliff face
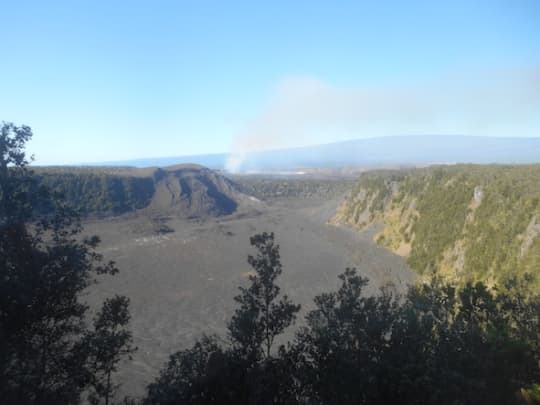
{"x": 187, "y": 191}
{"x": 465, "y": 222}
{"x": 194, "y": 191}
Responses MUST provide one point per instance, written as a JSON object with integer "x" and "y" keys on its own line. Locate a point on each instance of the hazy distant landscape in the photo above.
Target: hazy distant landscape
{"x": 371, "y": 152}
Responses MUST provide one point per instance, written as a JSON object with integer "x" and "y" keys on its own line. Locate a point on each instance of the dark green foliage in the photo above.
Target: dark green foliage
{"x": 197, "y": 376}
{"x": 344, "y": 342}
{"x": 44, "y": 267}
{"x": 261, "y": 317}
{"x": 209, "y": 374}
{"x": 20, "y": 194}
{"x": 443, "y": 209}
{"x": 437, "y": 344}
{"x": 100, "y": 193}
{"x": 496, "y": 235}
{"x": 247, "y": 371}
{"x": 106, "y": 344}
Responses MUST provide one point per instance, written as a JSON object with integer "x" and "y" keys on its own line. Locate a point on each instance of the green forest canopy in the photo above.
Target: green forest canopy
{"x": 488, "y": 238}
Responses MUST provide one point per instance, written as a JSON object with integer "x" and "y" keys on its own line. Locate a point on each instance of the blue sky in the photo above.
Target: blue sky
{"x": 111, "y": 80}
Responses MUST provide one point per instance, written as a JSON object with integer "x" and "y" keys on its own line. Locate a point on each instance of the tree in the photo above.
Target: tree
{"x": 438, "y": 344}
{"x": 261, "y": 316}
{"x": 345, "y": 341}
{"x": 202, "y": 374}
{"x": 106, "y": 345}
{"x": 44, "y": 267}
{"x": 247, "y": 372}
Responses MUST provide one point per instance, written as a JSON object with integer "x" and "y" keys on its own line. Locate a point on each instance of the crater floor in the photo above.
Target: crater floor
{"x": 182, "y": 284}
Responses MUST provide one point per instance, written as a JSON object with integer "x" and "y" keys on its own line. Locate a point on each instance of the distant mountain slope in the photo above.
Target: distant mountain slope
{"x": 374, "y": 151}
{"x": 183, "y": 190}
{"x": 403, "y": 150}
{"x": 467, "y": 222}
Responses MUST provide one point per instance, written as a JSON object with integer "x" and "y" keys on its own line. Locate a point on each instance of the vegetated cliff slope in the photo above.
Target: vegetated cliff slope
{"x": 184, "y": 190}
{"x": 467, "y": 222}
